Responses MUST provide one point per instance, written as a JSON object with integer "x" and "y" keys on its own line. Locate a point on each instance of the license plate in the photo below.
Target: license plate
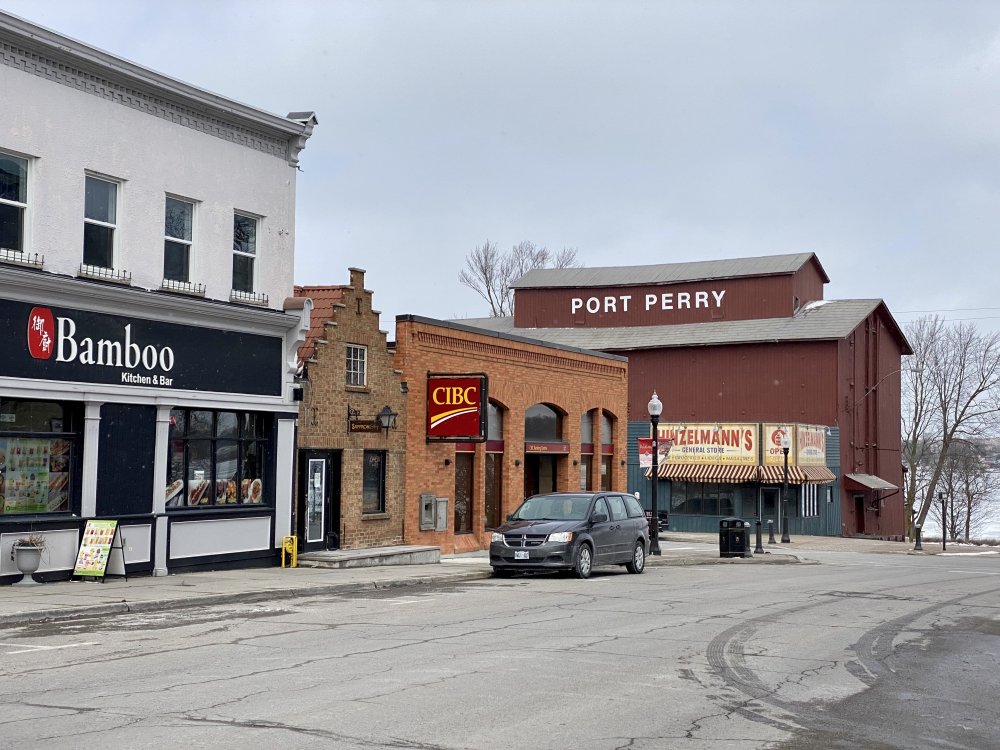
{"x": 521, "y": 554}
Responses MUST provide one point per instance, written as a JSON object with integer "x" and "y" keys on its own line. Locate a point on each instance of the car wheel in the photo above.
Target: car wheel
{"x": 584, "y": 562}
{"x": 638, "y": 562}
{"x": 502, "y": 573}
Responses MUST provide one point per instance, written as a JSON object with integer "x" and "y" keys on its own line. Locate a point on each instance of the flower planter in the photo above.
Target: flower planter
{"x": 27, "y": 558}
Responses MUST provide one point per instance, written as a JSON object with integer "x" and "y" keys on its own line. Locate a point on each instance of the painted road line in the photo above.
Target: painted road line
{"x": 27, "y": 648}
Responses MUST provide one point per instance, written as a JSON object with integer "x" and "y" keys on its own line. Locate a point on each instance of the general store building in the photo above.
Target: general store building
{"x": 146, "y": 312}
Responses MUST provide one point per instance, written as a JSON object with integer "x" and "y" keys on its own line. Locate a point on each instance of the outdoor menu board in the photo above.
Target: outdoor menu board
{"x": 92, "y": 560}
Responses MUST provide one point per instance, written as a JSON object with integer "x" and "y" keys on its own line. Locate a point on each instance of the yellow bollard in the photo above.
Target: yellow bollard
{"x": 290, "y": 545}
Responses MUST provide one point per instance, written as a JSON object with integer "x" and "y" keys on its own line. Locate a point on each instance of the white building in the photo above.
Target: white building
{"x": 146, "y": 312}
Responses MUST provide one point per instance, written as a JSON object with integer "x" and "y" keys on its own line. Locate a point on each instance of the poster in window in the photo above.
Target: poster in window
{"x": 25, "y": 463}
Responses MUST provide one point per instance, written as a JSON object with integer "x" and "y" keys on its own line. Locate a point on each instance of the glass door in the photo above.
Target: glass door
{"x": 315, "y": 499}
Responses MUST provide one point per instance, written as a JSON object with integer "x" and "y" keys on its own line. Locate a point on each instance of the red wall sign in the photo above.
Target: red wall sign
{"x": 456, "y": 407}
{"x": 41, "y": 333}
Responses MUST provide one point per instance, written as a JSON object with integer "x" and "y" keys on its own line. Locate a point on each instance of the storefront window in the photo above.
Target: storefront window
{"x": 586, "y": 483}
{"x": 703, "y": 498}
{"x": 39, "y": 447}
{"x": 216, "y": 458}
{"x": 373, "y": 483}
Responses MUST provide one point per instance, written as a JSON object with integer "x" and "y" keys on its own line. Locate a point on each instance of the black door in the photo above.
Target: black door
{"x": 319, "y": 499}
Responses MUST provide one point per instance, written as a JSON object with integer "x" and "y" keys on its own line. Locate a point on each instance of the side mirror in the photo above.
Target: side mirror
{"x": 510, "y": 516}
{"x": 599, "y": 518}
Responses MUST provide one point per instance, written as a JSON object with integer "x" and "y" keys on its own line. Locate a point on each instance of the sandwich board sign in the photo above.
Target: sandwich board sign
{"x": 95, "y": 549}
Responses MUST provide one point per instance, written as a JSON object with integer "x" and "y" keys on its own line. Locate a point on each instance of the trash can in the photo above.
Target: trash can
{"x": 734, "y": 538}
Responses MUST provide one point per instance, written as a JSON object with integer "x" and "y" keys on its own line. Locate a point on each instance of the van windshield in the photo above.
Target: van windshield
{"x": 553, "y": 508}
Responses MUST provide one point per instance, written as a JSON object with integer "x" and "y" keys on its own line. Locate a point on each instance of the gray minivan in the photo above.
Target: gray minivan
{"x": 572, "y": 531}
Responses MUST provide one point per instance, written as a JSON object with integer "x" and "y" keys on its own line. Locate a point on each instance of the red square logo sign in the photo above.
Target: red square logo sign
{"x": 455, "y": 407}
{"x": 41, "y": 333}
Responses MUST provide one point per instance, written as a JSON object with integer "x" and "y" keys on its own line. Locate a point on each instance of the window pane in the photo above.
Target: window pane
{"x": 541, "y": 423}
{"x": 227, "y": 424}
{"x": 13, "y": 179}
{"x": 605, "y": 473}
{"x": 32, "y": 416}
{"x": 494, "y": 422}
{"x": 244, "y": 234}
{"x": 586, "y": 428}
{"x": 607, "y": 435}
{"x": 356, "y": 356}
{"x": 101, "y": 198}
{"x": 373, "y": 482}
{"x": 11, "y": 227}
{"x": 178, "y": 422}
{"x": 200, "y": 424}
{"x": 463, "y": 492}
{"x": 586, "y": 483}
{"x": 242, "y": 273}
{"x": 98, "y": 245}
{"x": 178, "y": 219}
{"x": 175, "y": 261}
{"x": 251, "y": 426}
{"x": 199, "y": 472}
{"x": 494, "y": 489}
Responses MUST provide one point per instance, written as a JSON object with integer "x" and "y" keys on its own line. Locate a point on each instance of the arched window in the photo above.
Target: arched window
{"x": 542, "y": 423}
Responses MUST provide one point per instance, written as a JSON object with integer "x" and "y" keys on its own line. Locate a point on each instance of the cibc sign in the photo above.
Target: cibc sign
{"x": 456, "y": 407}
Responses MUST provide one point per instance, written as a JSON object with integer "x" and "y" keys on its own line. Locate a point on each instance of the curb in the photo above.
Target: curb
{"x": 162, "y": 605}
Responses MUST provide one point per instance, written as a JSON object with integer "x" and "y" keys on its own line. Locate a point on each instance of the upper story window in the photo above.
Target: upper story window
{"x": 99, "y": 222}
{"x": 177, "y": 232}
{"x": 244, "y": 252}
{"x": 357, "y": 370}
{"x": 13, "y": 201}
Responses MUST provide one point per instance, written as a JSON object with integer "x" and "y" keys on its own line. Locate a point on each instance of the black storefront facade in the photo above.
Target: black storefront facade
{"x": 173, "y": 415}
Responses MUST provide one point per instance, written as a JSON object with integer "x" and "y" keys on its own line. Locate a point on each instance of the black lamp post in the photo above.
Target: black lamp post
{"x": 655, "y": 408}
{"x": 786, "y": 443}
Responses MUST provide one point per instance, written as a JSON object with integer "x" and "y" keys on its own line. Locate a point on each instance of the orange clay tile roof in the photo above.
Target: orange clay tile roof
{"x": 324, "y": 298}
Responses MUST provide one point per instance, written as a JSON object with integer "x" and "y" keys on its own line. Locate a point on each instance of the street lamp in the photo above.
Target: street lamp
{"x": 655, "y": 409}
{"x": 786, "y": 443}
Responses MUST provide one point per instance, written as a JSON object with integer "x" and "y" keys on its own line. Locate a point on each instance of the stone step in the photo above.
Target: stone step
{"x": 366, "y": 558}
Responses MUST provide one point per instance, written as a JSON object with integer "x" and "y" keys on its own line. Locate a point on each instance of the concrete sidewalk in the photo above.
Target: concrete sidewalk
{"x": 71, "y": 599}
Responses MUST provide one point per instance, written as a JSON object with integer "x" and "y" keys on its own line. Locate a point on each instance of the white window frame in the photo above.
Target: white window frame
{"x": 362, "y": 370}
{"x": 22, "y": 206}
{"x": 254, "y": 256}
{"x": 180, "y": 240}
{"x": 114, "y": 226}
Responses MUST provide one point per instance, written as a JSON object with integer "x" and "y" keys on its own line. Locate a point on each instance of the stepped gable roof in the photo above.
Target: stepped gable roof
{"x": 822, "y": 320}
{"x": 668, "y": 273}
{"x": 324, "y": 298}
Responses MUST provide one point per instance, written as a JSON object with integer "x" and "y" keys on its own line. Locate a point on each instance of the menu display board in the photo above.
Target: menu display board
{"x": 34, "y": 474}
{"x": 95, "y": 548}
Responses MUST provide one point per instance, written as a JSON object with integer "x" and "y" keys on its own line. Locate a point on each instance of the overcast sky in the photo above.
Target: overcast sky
{"x": 867, "y": 132}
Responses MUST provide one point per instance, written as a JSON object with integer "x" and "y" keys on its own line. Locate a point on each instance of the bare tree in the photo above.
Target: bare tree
{"x": 490, "y": 272}
{"x": 968, "y": 486}
{"x": 953, "y": 395}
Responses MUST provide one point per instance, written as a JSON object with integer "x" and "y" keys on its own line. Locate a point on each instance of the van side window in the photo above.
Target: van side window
{"x": 634, "y": 509}
{"x": 601, "y": 507}
{"x": 617, "y": 503}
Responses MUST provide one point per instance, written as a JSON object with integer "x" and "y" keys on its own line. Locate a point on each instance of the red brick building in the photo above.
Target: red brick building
{"x": 743, "y": 341}
{"x": 556, "y": 420}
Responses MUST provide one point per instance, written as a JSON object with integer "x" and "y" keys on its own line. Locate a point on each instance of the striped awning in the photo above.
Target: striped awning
{"x": 776, "y": 475}
{"x": 705, "y": 473}
{"x": 818, "y": 475}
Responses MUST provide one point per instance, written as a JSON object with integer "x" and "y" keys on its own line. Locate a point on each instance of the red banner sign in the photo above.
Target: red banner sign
{"x": 456, "y": 407}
